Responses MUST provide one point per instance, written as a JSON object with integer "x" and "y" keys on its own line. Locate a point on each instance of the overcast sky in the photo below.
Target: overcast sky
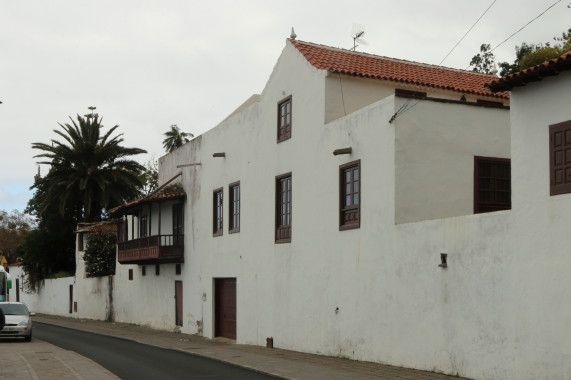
{"x": 147, "y": 65}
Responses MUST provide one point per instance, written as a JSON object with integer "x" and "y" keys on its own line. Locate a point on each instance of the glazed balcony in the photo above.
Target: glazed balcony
{"x": 156, "y": 249}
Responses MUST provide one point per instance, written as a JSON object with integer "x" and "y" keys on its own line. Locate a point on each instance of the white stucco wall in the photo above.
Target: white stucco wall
{"x": 435, "y": 148}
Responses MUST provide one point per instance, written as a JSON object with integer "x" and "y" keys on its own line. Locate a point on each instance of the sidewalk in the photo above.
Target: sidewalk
{"x": 40, "y": 360}
{"x": 277, "y": 362}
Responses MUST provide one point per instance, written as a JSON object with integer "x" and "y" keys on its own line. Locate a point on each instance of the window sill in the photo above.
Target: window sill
{"x": 283, "y": 241}
{"x": 234, "y": 231}
{"x": 217, "y": 234}
{"x": 349, "y": 226}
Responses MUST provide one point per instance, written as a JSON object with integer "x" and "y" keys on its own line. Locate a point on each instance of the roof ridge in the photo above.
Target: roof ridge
{"x": 376, "y": 56}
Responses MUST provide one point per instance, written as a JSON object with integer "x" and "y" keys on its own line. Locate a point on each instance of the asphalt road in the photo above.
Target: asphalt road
{"x": 132, "y": 360}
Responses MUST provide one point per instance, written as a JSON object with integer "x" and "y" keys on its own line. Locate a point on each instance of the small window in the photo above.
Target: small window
{"x": 157, "y": 269}
{"x": 144, "y": 270}
{"x": 143, "y": 223}
{"x": 80, "y": 246}
{"x": 234, "y": 206}
{"x": 217, "y": 212}
{"x": 492, "y": 184}
{"x": 350, "y": 195}
{"x": 560, "y": 158}
{"x": 283, "y": 208}
{"x": 130, "y": 274}
{"x": 178, "y": 269}
{"x": 284, "y": 119}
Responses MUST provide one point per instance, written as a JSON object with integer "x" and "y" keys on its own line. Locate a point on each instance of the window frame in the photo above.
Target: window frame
{"x": 565, "y": 167}
{"x": 234, "y": 207}
{"x": 479, "y": 207}
{"x": 143, "y": 226}
{"x": 218, "y": 212}
{"x": 284, "y": 131}
{"x": 343, "y": 208}
{"x": 178, "y": 223}
{"x": 287, "y": 227}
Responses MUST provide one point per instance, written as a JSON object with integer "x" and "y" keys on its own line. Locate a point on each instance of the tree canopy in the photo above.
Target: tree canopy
{"x": 14, "y": 227}
{"x": 175, "y": 138}
{"x": 90, "y": 170}
{"x": 526, "y": 55}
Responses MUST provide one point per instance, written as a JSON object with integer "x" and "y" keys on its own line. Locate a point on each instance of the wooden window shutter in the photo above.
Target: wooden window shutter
{"x": 560, "y": 158}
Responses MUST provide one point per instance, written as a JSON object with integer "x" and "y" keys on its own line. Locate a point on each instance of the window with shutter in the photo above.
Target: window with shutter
{"x": 217, "y": 211}
{"x": 284, "y": 119}
{"x": 283, "y": 208}
{"x": 560, "y": 158}
{"x": 492, "y": 184}
{"x": 350, "y": 195}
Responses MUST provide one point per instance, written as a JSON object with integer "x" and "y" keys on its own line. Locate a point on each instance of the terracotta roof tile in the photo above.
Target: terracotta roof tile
{"x": 396, "y": 70}
{"x": 534, "y": 73}
{"x": 106, "y": 226}
{"x": 174, "y": 191}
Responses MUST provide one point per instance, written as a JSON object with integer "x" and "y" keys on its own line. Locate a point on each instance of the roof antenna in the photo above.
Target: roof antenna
{"x": 293, "y": 36}
{"x": 357, "y": 34}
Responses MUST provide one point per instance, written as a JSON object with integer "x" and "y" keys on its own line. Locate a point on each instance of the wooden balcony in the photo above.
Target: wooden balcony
{"x": 156, "y": 249}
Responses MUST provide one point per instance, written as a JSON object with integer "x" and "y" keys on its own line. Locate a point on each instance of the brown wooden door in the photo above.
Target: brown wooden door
{"x": 178, "y": 302}
{"x": 225, "y": 307}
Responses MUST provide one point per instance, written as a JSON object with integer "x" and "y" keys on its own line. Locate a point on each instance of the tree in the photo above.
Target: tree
{"x": 175, "y": 138}
{"x": 483, "y": 62}
{"x": 14, "y": 226}
{"x": 150, "y": 177}
{"x": 527, "y": 55}
{"x": 90, "y": 171}
{"x": 99, "y": 255}
{"x": 49, "y": 250}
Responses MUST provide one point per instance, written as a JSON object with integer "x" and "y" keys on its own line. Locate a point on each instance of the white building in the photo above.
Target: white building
{"x": 272, "y": 249}
{"x": 344, "y": 211}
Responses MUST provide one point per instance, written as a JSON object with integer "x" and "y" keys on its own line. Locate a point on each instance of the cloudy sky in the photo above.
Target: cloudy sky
{"x": 147, "y": 65}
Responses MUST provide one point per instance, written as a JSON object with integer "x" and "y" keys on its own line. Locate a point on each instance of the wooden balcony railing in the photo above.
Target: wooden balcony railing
{"x": 152, "y": 250}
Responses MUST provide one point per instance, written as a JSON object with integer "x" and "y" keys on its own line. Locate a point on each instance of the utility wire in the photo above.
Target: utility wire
{"x": 523, "y": 27}
{"x": 465, "y": 34}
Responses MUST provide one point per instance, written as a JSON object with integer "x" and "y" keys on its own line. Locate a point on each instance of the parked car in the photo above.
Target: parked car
{"x": 18, "y": 321}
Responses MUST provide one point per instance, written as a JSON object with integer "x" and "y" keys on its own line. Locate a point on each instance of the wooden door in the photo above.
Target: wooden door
{"x": 178, "y": 302}
{"x": 225, "y": 307}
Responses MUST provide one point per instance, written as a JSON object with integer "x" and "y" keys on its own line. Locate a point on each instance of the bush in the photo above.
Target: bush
{"x": 99, "y": 255}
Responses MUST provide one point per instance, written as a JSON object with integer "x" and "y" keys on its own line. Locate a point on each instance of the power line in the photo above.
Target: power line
{"x": 465, "y": 34}
{"x": 523, "y": 27}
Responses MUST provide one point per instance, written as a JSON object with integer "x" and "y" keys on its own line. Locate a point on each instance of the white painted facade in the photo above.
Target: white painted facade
{"x": 498, "y": 311}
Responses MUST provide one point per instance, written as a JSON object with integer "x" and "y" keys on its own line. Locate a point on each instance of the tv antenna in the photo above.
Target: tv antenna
{"x": 357, "y": 35}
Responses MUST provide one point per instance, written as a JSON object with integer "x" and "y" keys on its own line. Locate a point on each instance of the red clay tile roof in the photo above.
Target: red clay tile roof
{"x": 532, "y": 74}
{"x": 373, "y": 66}
{"x": 174, "y": 191}
{"x": 105, "y": 226}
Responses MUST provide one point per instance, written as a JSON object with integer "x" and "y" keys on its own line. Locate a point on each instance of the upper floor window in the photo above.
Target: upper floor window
{"x": 560, "y": 158}
{"x": 178, "y": 224}
{"x": 283, "y": 208}
{"x": 492, "y": 184}
{"x": 234, "y": 206}
{"x": 284, "y": 119}
{"x": 143, "y": 226}
{"x": 217, "y": 212}
{"x": 122, "y": 231}
{"x": 350, "y": 195}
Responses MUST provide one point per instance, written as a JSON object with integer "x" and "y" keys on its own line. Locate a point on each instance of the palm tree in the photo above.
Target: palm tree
{"x": 89, "y": 171}
{"x": 175, "y": 138}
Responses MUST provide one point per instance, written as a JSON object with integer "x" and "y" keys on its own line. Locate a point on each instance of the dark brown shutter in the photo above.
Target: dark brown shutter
{"x": 492, "y": 184}
{"x": 560, "y": 157}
